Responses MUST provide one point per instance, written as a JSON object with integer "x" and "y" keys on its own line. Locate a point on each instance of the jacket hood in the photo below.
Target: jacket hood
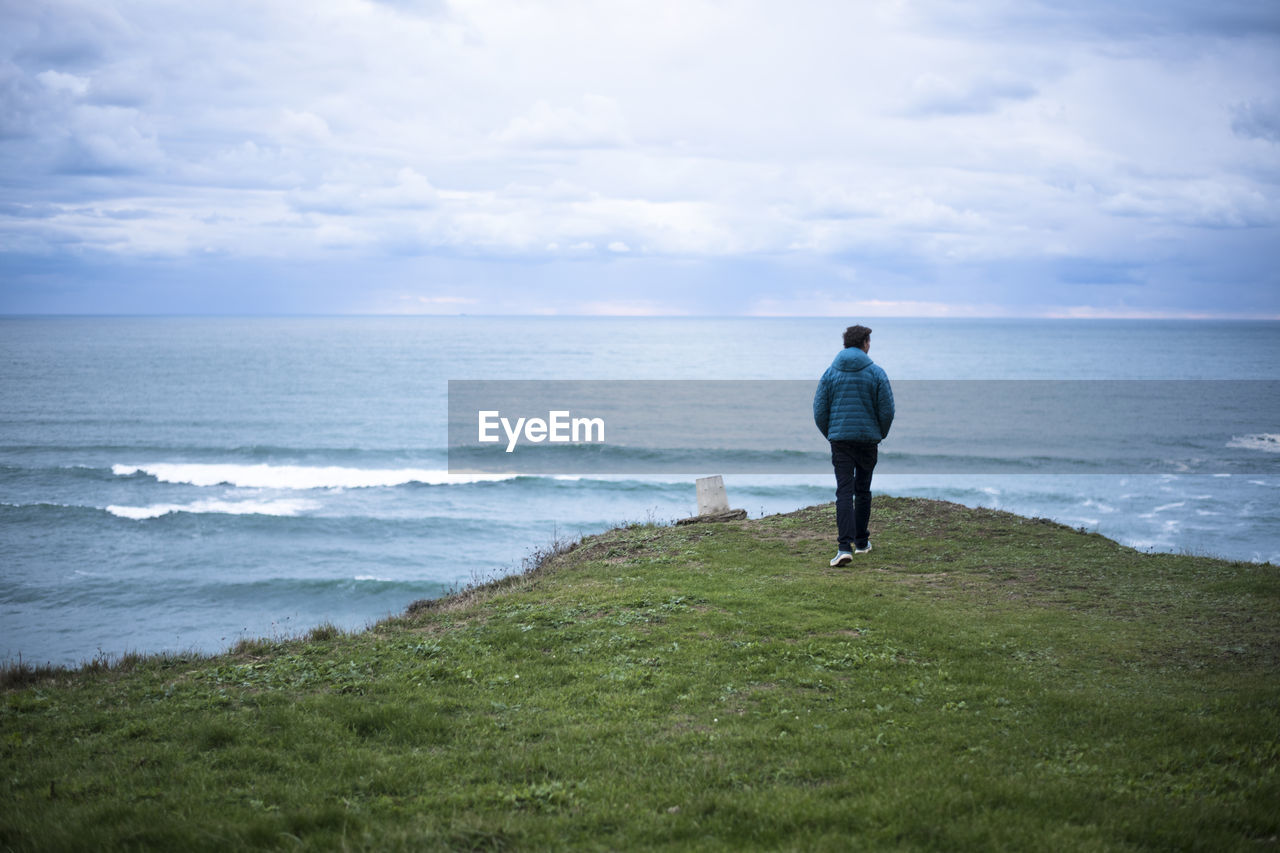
{"x": 851, "y": 359}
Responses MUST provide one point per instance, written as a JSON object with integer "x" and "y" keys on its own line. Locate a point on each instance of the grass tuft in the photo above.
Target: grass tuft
{"x": 324, "y": 632}
{"x": 483, "y": 587}
{"x": 19, "y": 673}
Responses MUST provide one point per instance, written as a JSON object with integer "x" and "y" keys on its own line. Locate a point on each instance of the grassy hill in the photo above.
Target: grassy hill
{"x": 979, "y": 681}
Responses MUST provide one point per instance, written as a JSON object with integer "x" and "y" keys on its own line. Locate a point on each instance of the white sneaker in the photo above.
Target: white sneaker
{"x": 863, "y": 550}
{"x": 841, "y": 558}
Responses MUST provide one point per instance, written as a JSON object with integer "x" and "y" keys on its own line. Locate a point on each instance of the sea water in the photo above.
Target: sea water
{"x": 176, "y": 484}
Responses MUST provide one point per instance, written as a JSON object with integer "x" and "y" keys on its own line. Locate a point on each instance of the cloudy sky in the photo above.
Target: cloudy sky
{"x": 909, "y": 157}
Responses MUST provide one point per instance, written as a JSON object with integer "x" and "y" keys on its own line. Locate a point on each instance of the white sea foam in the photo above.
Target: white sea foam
{"x": 1268, "y": 442}
{"x": 371, "y": 578}
{"x": 289, "y": 506}
{"x": 297, "y": 476}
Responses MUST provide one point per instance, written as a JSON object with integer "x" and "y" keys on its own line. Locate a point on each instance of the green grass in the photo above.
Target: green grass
{"x": 979, "y": 681}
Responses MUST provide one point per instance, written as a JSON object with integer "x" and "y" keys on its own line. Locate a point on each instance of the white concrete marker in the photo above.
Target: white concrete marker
{"x": 711, "y": 495}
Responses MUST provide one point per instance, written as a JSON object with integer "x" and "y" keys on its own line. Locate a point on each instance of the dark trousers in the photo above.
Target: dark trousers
{"x": 854, "y": 461}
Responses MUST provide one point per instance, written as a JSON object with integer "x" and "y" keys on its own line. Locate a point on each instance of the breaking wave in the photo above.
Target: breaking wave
{"x": 285, "y": 507}
{"x": 299, "y": 477}
{"x": 1268, "y": 442}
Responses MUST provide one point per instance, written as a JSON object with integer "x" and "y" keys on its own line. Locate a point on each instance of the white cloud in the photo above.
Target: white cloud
{"x": 367, "y": 193}
{"x": 829, "y": 305}
{"x": 627, "y": 308}
{"x": 935, "y": 94}
{"x": 1094, "y": 312}
{"x": 109, "y": 140}
{"x": 60, "y": 82}
{"x": 919, "y": 134}
{"x": 302, "y": 125}
{"x": 1257, "y": 119}
{"x": 595, "y": 122}
{"x": 1208, "y": 204}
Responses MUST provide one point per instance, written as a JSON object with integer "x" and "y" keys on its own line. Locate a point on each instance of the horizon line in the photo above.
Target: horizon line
{"x": 1179, "y": 317}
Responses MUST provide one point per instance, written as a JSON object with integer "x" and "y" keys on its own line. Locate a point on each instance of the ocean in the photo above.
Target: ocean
{"x": 175, "y": 484}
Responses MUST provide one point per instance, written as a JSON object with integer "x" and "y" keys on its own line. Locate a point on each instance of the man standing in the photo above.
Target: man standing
{"x": 853, "y": 407}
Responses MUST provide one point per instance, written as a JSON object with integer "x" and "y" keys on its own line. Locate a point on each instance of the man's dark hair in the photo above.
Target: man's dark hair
{"x": 856, "y": 336}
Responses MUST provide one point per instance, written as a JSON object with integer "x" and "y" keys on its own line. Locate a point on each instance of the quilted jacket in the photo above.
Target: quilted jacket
{"x": 854, "y": 401}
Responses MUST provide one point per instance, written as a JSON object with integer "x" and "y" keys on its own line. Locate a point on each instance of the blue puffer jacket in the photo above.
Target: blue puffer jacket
{"x": 854, "y": 401}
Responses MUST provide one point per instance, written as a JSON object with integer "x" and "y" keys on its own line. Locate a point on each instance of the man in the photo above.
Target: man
{"x": 853, "y": 407}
